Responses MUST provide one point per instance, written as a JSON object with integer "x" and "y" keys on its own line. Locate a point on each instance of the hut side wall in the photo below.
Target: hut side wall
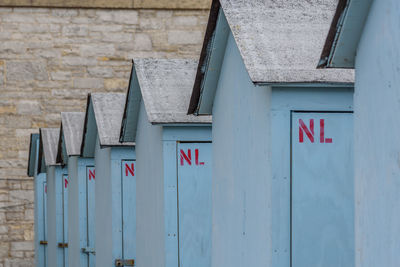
{"x": 150, "y": 193}
{"x": 377, "y": 139}
{"x": 241, "y": 168}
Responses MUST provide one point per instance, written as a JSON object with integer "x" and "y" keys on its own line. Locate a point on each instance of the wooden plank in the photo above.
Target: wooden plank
{"x": 129, "y": 209}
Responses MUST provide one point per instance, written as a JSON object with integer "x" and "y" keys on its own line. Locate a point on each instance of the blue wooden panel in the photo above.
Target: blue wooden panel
{"x": 39, "y": 219}
{"x": 322, "y": 190}
{"x": 90, "y": 214}
{"x": 116, "y": 209}
{"x": 128, "y": 209}
{"x": 59, "y": 216}
{"x": 170, "y": 203}
{"x": 45, "y": 222}
{"x": 65, "y": 218}
{"x": 194, "y": 202}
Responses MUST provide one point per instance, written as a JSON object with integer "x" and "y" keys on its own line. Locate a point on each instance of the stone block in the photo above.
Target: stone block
{"x": 126, "y": 17}
{"x": 97, "y": 50}
{"x": 117, "y": 37}
{"x": 26, "y": 71}
{"x": 88, "y": 83}
{"x": 28, "y": 107}
{"x": 60, "y": 75}
{"x": 75, "y": 30}
{"x": 115, "y": 84}
{"x": 102, "y": 72}
{"x": 78, "y": 61}
{"x": 185, "y": 37}
{"x": 21, "y": 196}
{"x": 142, "y": 42}
{"x": 22, "y": 246}
{"x": 185, "y": 21}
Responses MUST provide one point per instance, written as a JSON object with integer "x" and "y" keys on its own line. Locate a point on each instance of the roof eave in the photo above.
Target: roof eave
{"x": 33, "y": 154}
{"x": 344, "y": 35}
{"x": 204, "y": 55}
{"x": 84, "y": 145}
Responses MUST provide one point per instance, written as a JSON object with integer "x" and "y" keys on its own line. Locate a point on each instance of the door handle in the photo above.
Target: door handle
{"x": 43, "y": 242}
{"x": 120, "y": 262}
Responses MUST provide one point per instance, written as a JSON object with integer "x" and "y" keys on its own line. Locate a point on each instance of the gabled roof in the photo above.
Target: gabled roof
{"x": 70, "y": 135}
{"x": 33, "y": 154}
{"x": 103, "y": 118}
{"x": 165, "y": 87}
{"x": 279, "y": 41}
{"x": 345, "y": 33}
{"x": 48, "y": 147}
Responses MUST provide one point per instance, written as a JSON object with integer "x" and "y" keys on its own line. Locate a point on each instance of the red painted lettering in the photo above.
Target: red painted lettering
{"x": 66, "y": 182}
{"x": 92, "y": 175}
{"x": 187, "y": 157}
{"x": 196, "y": 153}
{"x": 45, "y": 189}
{"x": 309, "y": 132}
{"x": 322, "y": 138}
{"x": 130, "y": 169}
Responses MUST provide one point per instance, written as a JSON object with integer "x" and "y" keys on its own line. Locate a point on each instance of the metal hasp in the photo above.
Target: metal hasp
{"x": 120, "y": 262}
{"x": 88, "y": 250}
{"x": 43, "y": 243}
{"x": 62, "y": 245}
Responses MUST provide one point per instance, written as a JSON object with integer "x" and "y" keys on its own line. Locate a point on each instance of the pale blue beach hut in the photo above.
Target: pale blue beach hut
{"x": 115, "y": 187}
{"x": 40, "y": 192}
{"x": 173, "y": 151}
{"x": 282, "y": 191}
{"x": 81, "y": 188}
{"x": 57, "y": 196}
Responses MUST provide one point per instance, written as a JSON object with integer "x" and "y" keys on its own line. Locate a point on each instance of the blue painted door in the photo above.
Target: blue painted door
{"x": 194, "y": 204}
{"x": 128, "y": 197}
{"x": 44, "y": 223}
{"x": 65, "y": 218}
{"x": 322, "y": 191}
{"x": 90, "y": 215}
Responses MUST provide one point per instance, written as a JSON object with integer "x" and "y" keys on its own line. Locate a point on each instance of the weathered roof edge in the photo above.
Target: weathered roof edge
{"x": 332, "y": 34}
{"x": 85, "y": 124}
{"x": 344, "y": 34}
{"x": 59, "y": 158}
{"x": 33, "y": 154}
{"x": 42, "y": 151}
{"x": 204, "y": 56}
{"x": 122, "y": 136}
{"x": 100, "y": 114}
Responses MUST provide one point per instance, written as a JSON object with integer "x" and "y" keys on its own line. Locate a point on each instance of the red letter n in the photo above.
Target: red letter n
{"x": 131, "y": 169}
{"x": 309, "y": 132}
{"x": 92, "y": 174}
{"x": 187, "y": 158}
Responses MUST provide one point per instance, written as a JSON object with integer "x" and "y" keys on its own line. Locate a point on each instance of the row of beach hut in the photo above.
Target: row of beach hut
{"x": 242, "y": 158}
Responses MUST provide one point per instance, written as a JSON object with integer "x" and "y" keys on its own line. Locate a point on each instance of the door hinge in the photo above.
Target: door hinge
{"x": 43, "y": 242}
{"x": 62, "y": 245}
{"x": 88, "y": 250}
{"x": 120, "y": 262}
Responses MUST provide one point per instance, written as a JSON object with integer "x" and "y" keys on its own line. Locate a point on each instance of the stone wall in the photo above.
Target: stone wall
{"x": 50, "y": 58}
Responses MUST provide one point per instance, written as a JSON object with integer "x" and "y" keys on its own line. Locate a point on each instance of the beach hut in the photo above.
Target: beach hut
{"x": 282, "y": 136}
{"x": 115, "y": 187}
{"x": 365, "y": 36}
{"x": 81, "y": 187}
{"x": 39, "y": 180}
{"x": 57, "y": 197}
{"x": 173, "y": 171}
